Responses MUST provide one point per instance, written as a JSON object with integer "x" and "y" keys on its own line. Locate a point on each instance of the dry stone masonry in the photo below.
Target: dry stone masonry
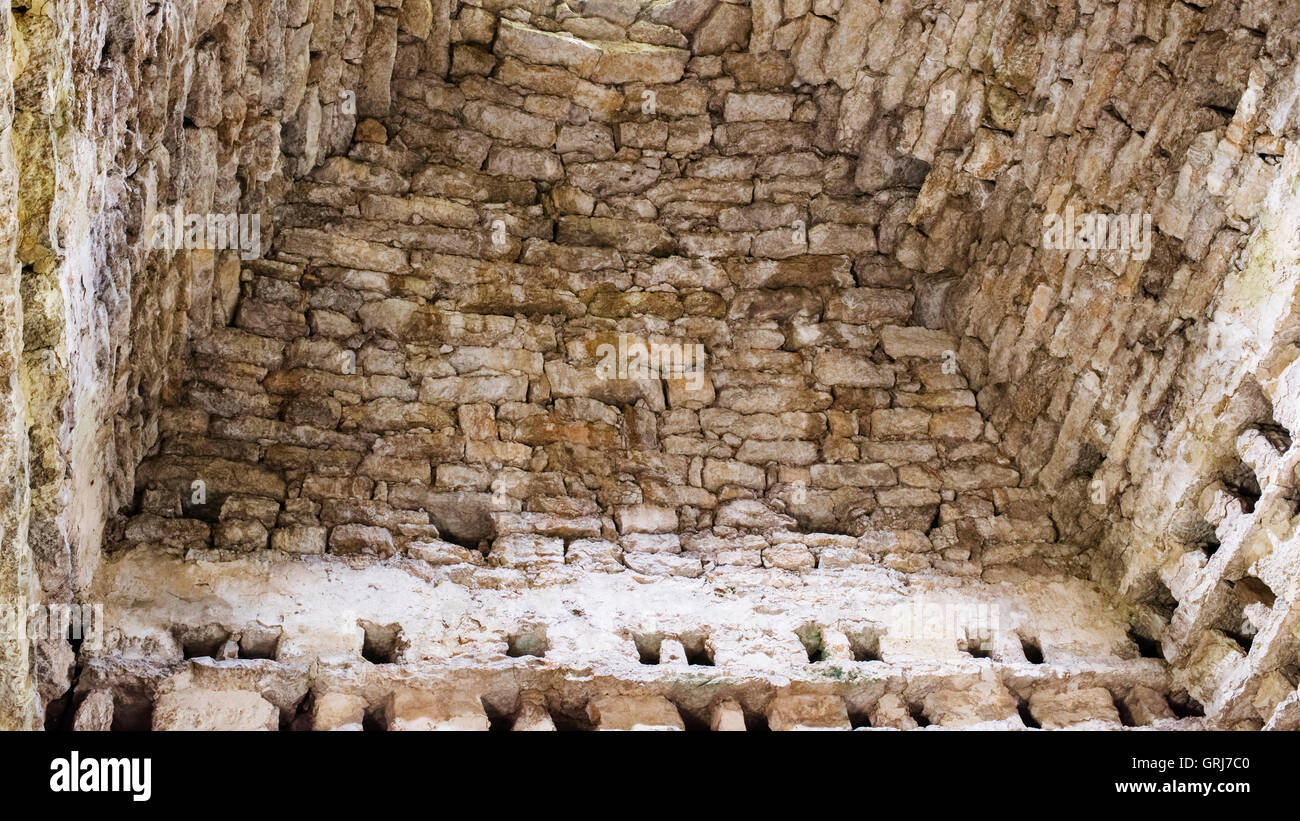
{"x": 651, "y": 364}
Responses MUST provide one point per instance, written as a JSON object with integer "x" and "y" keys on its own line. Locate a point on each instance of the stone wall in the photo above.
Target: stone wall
{"x": 118, "y": 111}
{"x": 1121, "y": 384}
{"x": 840, "y": 204}
{"x": 17, "y": 696}
{"x": 435, "y": 351}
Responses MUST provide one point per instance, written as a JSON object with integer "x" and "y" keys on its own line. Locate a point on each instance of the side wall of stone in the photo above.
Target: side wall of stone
{"x": 1122, "y": 381}
{"x": 121, "y": 112}
{"x": 443, "y": 342}
{"x": 17, "y": 682}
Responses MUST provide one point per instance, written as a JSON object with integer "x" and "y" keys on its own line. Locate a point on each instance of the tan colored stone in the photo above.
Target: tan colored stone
{"x": 239, "y": 710}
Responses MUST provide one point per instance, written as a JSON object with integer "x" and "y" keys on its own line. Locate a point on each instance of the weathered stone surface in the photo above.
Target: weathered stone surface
{"x": 900, "y": 342}
{"x": 835, "y": 229}
{"x": 355, "y": 538}
{"x": 984, "y": 702}
{"x": 1056, "y": 710}
{"x": 301, "y": 539}
{"x": 807, "y": 713}
{"x": 891, "y": 711}
{"x": 544, "y": 47}
{"x": 634, "y": 713}
{"x": 726, "y": 27}
{"x": 639, "y": 63}
{"x": 214, "y": 710}
{"x": 338, "y": 711}
{"x": 844, "y": 368}
{"x": 95, "y": 713}
{"x": 524, "y": 550}
{"x": 414, "y": 710}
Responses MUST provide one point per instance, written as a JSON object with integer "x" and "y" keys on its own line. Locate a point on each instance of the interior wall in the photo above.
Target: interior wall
{"x": 119, "y": 111}
{"x": 17, "y": 698}
{"x": 1106, "y": 382}
{"x": 445, "y": 332}
{"x": 1122, "y": 384}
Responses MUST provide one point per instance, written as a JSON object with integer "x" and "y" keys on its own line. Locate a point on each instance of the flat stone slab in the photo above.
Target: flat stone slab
{"x": 634, "y": 713}
{"x": 214, "y": 710}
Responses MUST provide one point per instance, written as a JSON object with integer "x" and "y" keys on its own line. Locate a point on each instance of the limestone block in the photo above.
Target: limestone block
{"x": 374, "y": 95}
{"x": 1146, "y": 706}
{"x": 891, "y": 711}
{"x": 595, "y": 555}
{"x": 412, "y": 709}
{"x": 533, "y": 715}
{"x": 301, "y": 539}
{"x": 727, "y": 26}
{"x": 214, "y": 710}
{"x": 638, "y": 62}
{"x": 526, "y": 550}
{"x": 338, "y": 711}
{"x": 416, "y": 18}
{"x": 664, "y": 564}
{"x": 758, "y": 106}
{"x": 646, "y": 712}
{"x": 751, "y": 514}
{"x": 807, "y": 712}
{"x": 727, "y": 716}
{"x": 95, "y": 713}
{"x": 546, "y": 47}
{"x": 361, "y": 539}
{"x": 911, "y": 341}
{"x": 1054, "y": 710}
{"x": 984, "y": 701}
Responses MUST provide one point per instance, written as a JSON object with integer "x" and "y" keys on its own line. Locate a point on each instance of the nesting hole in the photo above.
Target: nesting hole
{"x": 571, "y": 719}
{"x": 1251, "y": 590}
{"x": 132, "y": 714}
{"x": 1033, "y": 651}
{"x": 810, "y": 635}
{"x": 1148, "y": 647}
{"x": 1209, "y": 545}
{"x": 858, "y": 718}
{"x": 1243, "y": 639}
{"x": 1125, "y": 714}
{"x": 499, "y": 720}
{"x": 300, "y": 720}
{"x": 1161, "y": 600}
{"x": 918, "y": 715}
{"x": 756, "y": 722}
{"x": 373, "y": 721}
{"x": 865, "y": 645}
{"x": 1194, "y": 532}
{"x": 202, "y": 641}
{"x": 978, "y": 644}
{"x": 697, "y": 649}
{"x": 1184, "y": 706}
{"x": 1232, "y": 621}
{"x": 528, "y": 641}
{"x": 204, "y": 506}
{"x": 693, "y": 722}
{"x": 383, "y": 643}
{"x": 1027, "y": 717}
{"x": 60, "y": 713}
{"x": 1277, "y": 435}
{"x": 259, "y": 642}
{"x": 1241, "y": 480}
{"x": 647, "y": 646}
